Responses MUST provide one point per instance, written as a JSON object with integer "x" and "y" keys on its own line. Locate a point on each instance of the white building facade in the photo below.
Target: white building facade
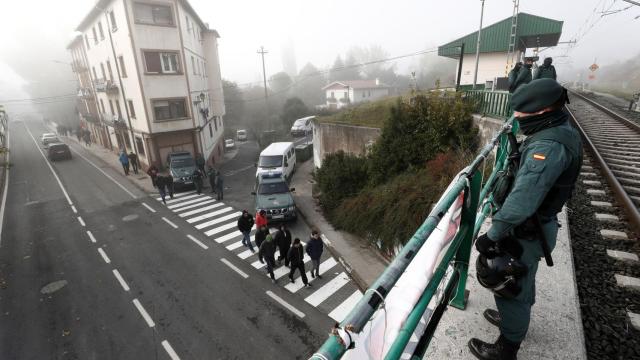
{"x": 155, "y": 69}
{"x": 342, "y": 93}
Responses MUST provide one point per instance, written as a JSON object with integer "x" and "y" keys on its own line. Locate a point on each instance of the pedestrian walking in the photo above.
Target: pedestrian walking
{"x": 261, "y": 219}
{"x": 283, "y": 241}
{"x": 524, "y": 228}
{"x": 87, "y": 138}
{"x": 152, "y": 171}
{"x": 124, "y": 160}
{"x": 245, "y": 224}
{"x": 296, "y": 259}
{"x": 79, "y": 133}
{"x": 133, "y": 160}
{"x": 200, "y": 162}
{"x": 169, "y": 183}
{"x": 314, "y": 250}
{"x": 197, "y": 180}
{"x": 513, "y": 75}
{"x": 212, "y": 179}
{"x": 546, "y": 70}
{"x": 261, "y": 234}
{"x": 266, "y": 254}
{"x": 219, "y": 185}
{"x": 524, "y": 75}
{"x": 161, "y": 184}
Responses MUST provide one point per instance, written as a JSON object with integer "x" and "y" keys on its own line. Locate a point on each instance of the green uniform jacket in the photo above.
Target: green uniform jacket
{"x": 546, "y": 72}
{"x": 524, "y": 77}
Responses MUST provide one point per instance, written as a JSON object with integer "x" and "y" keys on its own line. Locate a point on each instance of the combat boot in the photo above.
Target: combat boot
{"x": 492, "y": 316}
{"x": 502, "y": 349}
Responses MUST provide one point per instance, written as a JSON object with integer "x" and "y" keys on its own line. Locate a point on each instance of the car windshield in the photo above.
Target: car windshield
{"x": 182, "y": 162}
{"x": 273, "y": 188}
{"x": 270, "y": 161}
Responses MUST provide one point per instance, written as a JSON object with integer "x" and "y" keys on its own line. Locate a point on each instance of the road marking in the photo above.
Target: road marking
{"x": 212, "y": 214}
{"x": 198, "y": 199}
{"x": 235, "y": 245}
{"x": 257, "y": 264}
{"x": 327, "y": 290}
{"x": 343, "y": 309}
{"x": 176, "y": 210}
{"x": 64, "y": 191}
{"x": 144, "y": 313}
{"x": 179, "y": 194}
{"x": 177, "y": 200}
{"x": 104, "y": 173}
{"x": 75, "y": 211}
{"x": 289, "y": 307}
{"x": 93, "y": 239}
{"x": 219, "y": 220}
{"x": 149, "y": 207}
{"x": 124, "y": 285}
{"x": 167, "y": 347}
{"x": 169, "y": 222}
{"x": 6, "y": 186}
{"x": 81, "y": 221}
{"x": 198, "y": 242}
{"x": 104, "y": 256}
{"x": 324, "y": 267}
{"x": 234, "y": 268}
{"x": 222, "y": 228}
{"x": 283, "y": 270}
{"x": 229, "y": 236}
{"x": 245, "y": 254}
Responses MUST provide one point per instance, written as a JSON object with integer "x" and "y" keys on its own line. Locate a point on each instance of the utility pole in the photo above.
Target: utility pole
{"x": 475, "y": 74}
{"x": 460, "y": 66}
{"x": 262, "y": 51}
{"x": 632, "y": 2}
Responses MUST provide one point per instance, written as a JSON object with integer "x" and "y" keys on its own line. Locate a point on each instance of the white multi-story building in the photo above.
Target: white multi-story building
{"x": 155, "y": 70}
{"x": 342, "y": 93}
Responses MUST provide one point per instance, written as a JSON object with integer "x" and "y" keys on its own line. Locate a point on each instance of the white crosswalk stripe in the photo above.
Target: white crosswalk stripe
{"x": 220, "y": 229}
{"x": 327, "y": 289}
{"x": 197, "y": 199}
{"x": 181, "y": 199}
{"x": 177, "y": 195}
{"x": 339, "y": 313}
{"x": 324, "y": 266}
{"x": 198, "y": 210}
{"x": 226, "y": 217}
{"x": 235, "y": 245}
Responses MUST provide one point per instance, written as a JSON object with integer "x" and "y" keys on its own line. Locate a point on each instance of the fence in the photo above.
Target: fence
{"x": 491, "y": 103}
{"x": 444, "y": 290}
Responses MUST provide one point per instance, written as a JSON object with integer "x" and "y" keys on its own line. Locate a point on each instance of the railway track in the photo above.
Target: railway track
{"x": 614, "y": 143}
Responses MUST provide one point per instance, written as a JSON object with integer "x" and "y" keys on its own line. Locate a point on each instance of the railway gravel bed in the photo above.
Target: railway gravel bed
{"x": 604, "y": 305}
{"x": 620, "y": 106}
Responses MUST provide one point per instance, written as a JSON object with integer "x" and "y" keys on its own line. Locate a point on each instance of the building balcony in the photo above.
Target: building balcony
{"x": 106, "y": 86}
{"x": 85, "y": 93}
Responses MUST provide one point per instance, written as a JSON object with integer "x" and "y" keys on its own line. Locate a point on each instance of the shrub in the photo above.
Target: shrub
{"x": 341, "y": 175}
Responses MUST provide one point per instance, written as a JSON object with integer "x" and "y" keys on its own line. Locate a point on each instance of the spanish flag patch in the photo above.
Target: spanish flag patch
{"x": 539, "y": 156}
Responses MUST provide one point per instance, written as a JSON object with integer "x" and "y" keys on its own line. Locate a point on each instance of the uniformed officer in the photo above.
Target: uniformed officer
{"x": 524, "y": 74}
{"x": 551, "y": 157}
{"x": 546, "y": 70}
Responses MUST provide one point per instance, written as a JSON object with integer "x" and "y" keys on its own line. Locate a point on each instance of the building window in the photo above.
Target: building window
{"x": 95, "y": 75}
{"x": 162, "y": 62}
{"x": 132, "y": 110}
{"x": 100, "y": 30}
{"x": 112, "y": 19}
{"x": 95, "y": 36}
{"x": 171, "y": 109}
{"x": 111, "y": 107}
{"x": 109, "y": 69}
{"x": 104, "y": 76}
{"x": 204, "y": 70}
{"x": 210, "y": 131}
{"x": 118, "y": 108}
{"x": 102, "y": 106}
{"x": 86, "y": 40}
{"x": 186, "y": 21}
{"x": 127, "y": 140}
{"x": 123, "y": 70}
{"x": 193, "y": 64}
{"x": 153, "y": 14}
{"x": 215, "y": 123}
{"x": 140, "y": 146}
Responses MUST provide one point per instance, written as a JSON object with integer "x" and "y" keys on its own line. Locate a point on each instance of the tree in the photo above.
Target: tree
{"x": 308, "y": 85}
{"x": 280, "y": 83}
{"x": 293, "y": 109}
{"x": 369, "y": 54}
{"x": 334, "y": 73}
{"x": 233, "y": 102}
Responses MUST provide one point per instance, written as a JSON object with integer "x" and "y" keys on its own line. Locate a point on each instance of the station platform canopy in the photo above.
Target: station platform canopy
{"x": 533, "y": 31}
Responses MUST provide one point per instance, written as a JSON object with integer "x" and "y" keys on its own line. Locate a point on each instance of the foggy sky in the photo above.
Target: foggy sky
{"x": 36, "y": 31}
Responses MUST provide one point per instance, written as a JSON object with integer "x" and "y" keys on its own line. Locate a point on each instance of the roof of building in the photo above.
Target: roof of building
{"x": 357, "y": 84}
{"x": 100, "y": 6}
{"x": 533, "y": 31}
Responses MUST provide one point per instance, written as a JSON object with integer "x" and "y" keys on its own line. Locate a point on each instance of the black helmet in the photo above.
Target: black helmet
{"x": 500, "y": 274}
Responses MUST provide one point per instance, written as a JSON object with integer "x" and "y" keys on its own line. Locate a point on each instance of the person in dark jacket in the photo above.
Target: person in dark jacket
{"x": 219, "y": 185}
{"x": 133, "y": 160}
{"x": 283, "y": 241}
{"x": 513, "y": 75}
{"x": 524, "y": 74}
{"x": 261, "y": 234}
{"x": 314, "y": 250}
{"x": 169, "y": 183}
{"x": 161, "y": 184}
{"x": 198, "y": 179}
{"x": 245, "y": 224}
{"x": 266, "y": 254}
{"x": 546, "y": 70}
{"x": 200, "y": 162}
{"x": 212, "y": 179}
{"x": 296, "y": 259}
{"x": 153, "y": 174}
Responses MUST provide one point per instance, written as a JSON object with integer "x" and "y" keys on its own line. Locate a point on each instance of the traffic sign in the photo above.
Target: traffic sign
{"x": 594, "y": 67}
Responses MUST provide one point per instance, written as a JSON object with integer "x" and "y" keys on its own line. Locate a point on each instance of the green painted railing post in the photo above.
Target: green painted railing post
{"x": 464, "y": 251}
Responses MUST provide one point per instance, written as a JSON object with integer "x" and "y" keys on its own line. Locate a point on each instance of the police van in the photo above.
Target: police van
{"x": 272, "y": 194}
{"x": 279, "y": 157}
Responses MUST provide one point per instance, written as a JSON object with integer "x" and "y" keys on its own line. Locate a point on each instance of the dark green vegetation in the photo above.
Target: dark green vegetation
{"x": 386, "y": 195}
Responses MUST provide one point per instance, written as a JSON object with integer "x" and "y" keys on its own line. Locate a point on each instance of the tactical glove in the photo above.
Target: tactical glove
{"x": 487, "y": 247}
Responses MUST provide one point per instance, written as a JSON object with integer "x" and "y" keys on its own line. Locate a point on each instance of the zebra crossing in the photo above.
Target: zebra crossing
{"x": 335, "y": 294}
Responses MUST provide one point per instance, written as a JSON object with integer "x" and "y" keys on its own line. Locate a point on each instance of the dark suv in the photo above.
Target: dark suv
{"x": 58, "y": 151}
{"x": 272, "y": 194}
{"x": 181, "y": 167}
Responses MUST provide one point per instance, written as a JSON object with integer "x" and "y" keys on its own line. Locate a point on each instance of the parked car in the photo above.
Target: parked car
{"x": 241, "y": 135}
{"x": 279, "y": 157}
{"x": 47, "y": 136}
{"x": 229, "y": 144}
{"x": 59, "y": 151}
{"x": 181, "y": 167}
{"x": 302, "y": 127}
{"x": 50, "y": 140}
{"x": 273, "y": 195}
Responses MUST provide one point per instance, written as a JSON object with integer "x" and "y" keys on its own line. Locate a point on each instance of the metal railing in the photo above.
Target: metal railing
{"x": 478, "y": 203}
{"x": 491, "y": 103}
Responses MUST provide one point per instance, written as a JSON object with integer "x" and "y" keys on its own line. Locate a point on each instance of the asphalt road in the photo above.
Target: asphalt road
{"x": 98, "y": 275}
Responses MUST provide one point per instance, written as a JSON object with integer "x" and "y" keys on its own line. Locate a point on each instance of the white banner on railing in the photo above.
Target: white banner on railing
{"x": 375, "y": 340}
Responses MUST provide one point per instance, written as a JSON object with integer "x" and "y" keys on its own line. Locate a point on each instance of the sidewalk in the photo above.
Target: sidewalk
{"x": 359, "y": 259}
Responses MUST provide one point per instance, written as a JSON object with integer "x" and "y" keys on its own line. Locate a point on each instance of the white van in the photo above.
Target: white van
{"x": 277, "y": 157}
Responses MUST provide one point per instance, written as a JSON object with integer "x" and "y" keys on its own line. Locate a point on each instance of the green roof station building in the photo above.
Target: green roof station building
{"x": 531, "y": 32}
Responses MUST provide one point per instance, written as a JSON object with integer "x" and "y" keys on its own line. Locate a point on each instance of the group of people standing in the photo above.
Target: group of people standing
{"x": 163, "y": 181}
{"x": 290, "y": 251}
{"x": 216, "y": 181}
{"x": 521, "y": 73}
